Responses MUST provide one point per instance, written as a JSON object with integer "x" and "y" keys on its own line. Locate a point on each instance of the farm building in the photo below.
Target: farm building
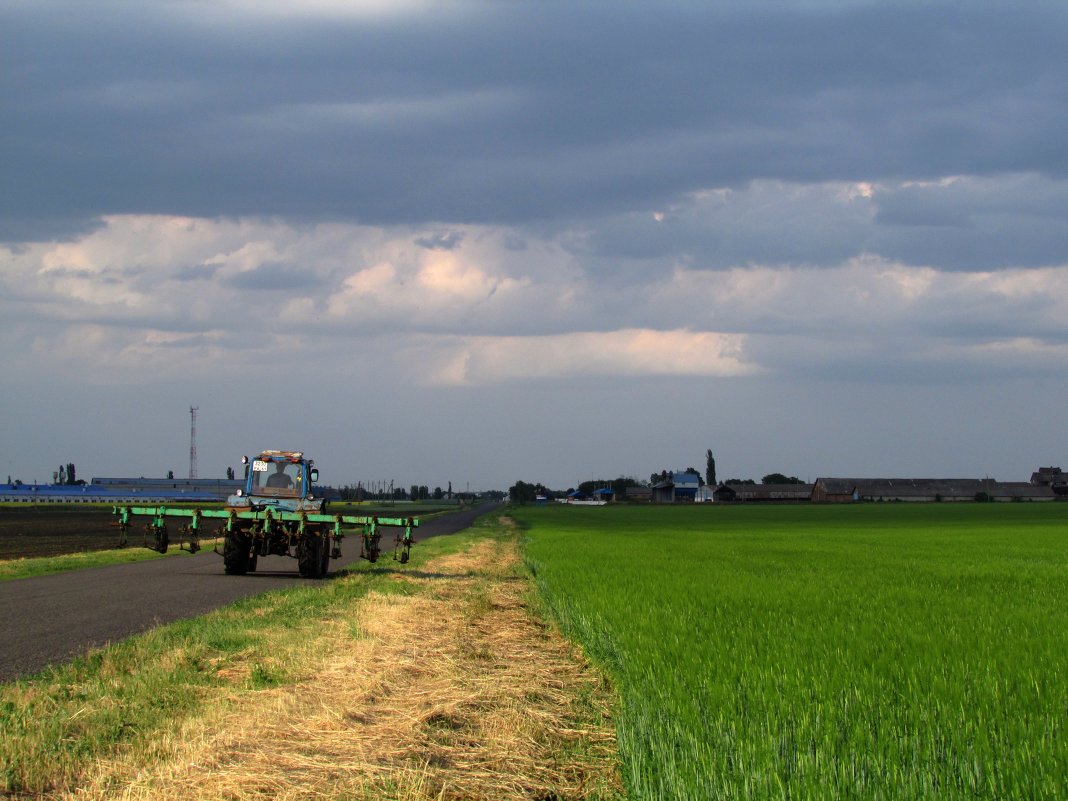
{"x": 677, "y": 487}
{"x": 762, "y": 493}
{"x": 217, "y": 488}
{"x": 1052, "y": 477}
{"x": 641, "y": 494}
{"x": 921, "y": 490}
{"x": 93, "y": 493}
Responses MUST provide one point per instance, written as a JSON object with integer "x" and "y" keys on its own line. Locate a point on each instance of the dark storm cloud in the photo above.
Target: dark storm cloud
{"x": 508, "y": 112}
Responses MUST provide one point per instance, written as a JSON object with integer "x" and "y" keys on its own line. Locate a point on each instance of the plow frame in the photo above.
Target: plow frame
{"x": 264, "y": 522}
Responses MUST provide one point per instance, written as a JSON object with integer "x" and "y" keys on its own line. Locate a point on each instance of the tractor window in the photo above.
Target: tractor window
{"x": 276, "y": 478}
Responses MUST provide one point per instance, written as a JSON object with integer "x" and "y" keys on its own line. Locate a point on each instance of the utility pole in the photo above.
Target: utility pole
{"x": 193, "y": 441}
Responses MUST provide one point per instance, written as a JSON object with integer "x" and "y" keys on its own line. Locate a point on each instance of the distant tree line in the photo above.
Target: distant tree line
{"x": 770, "y": 478}
{"x": 385, "y": 491}
{"x": 65, "y": 475}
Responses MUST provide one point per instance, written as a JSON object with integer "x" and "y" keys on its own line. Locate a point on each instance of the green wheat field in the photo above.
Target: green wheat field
{"x": 879, "y": 651}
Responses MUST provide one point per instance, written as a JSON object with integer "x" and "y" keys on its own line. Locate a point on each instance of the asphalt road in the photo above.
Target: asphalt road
{"x": 54, "y": 618}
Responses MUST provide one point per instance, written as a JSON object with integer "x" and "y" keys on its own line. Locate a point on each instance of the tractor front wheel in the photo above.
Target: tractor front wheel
{"x": 236, "y": 553}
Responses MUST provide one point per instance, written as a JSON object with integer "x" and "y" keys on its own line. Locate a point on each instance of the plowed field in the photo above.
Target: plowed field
{"x": 27, "y": 532}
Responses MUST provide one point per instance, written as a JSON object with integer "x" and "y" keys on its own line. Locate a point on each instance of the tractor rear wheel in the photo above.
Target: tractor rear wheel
{"x": 310, "y": 557}
{"x": 324, "y": 544}
{"x": 236, "y": 556}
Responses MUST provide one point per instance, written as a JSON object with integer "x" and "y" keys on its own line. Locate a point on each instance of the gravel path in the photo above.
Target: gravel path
{"x": 54, "y": 618}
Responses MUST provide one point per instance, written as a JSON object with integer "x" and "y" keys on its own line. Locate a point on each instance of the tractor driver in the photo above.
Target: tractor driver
{"x": 279, "y": 479}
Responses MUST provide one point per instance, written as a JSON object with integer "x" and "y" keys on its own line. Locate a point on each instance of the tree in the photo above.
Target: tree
{"x": 521, "y": 492}
{"x": 692, "y": 471}
{"x": 170, "y": 475}
{"x": 230, "y": 473}
{"x": 779, "y": 478}
{"x": 439, "y": 493}
{"x": 450, "y": 491}
{"x": 710, "y": 468}
{"x": 70, "y": 473}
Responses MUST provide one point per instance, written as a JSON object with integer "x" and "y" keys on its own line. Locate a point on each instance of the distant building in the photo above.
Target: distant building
{"x": 663, "y": 492}
{"x": 639, "y": 494}
{"x": 686, "y": 486}
{"x": 678, "y": 487}
{"x": 1052, "y": 477}
{"x": 921, "y": 490}
{"x": 763, "y": 493}
{"x": 131, "y": 491}
{"x": 214, "y": 488}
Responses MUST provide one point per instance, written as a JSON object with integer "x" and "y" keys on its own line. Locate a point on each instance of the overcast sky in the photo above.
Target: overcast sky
{"x": 553, "y": 241}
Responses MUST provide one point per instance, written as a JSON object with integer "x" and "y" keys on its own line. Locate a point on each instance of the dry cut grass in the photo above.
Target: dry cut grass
{"x": 447, "y": 688}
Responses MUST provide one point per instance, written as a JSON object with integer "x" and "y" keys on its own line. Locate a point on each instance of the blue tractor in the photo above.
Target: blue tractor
{"x": 277, "y": 513}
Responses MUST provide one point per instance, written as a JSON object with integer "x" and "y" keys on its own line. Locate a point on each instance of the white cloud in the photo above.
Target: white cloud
{"x": 189, "y": 290}
{"x": 628, "y": 352}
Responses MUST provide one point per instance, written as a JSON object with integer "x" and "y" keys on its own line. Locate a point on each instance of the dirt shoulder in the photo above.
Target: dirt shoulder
{"x": 446, "y": 687}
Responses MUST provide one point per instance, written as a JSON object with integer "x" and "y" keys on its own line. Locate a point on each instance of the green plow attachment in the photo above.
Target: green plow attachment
{"x": 265, "y": 521}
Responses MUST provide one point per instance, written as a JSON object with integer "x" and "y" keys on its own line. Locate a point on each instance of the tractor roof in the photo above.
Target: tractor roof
{"x": 292, "y": 456}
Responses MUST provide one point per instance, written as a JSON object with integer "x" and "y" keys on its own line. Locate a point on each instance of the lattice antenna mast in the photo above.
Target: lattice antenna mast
{"x": 193, "y": 441}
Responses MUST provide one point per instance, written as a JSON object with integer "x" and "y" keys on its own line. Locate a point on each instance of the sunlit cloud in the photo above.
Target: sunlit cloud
{"x": 167, "y": 286}
{"x": 628, "y": 352}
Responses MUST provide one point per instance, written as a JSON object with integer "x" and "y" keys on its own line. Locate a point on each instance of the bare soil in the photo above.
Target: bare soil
{"x": 34, "y": 531}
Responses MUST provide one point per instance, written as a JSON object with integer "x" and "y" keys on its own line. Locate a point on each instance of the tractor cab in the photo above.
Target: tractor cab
{"x": 279, "y": 479}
